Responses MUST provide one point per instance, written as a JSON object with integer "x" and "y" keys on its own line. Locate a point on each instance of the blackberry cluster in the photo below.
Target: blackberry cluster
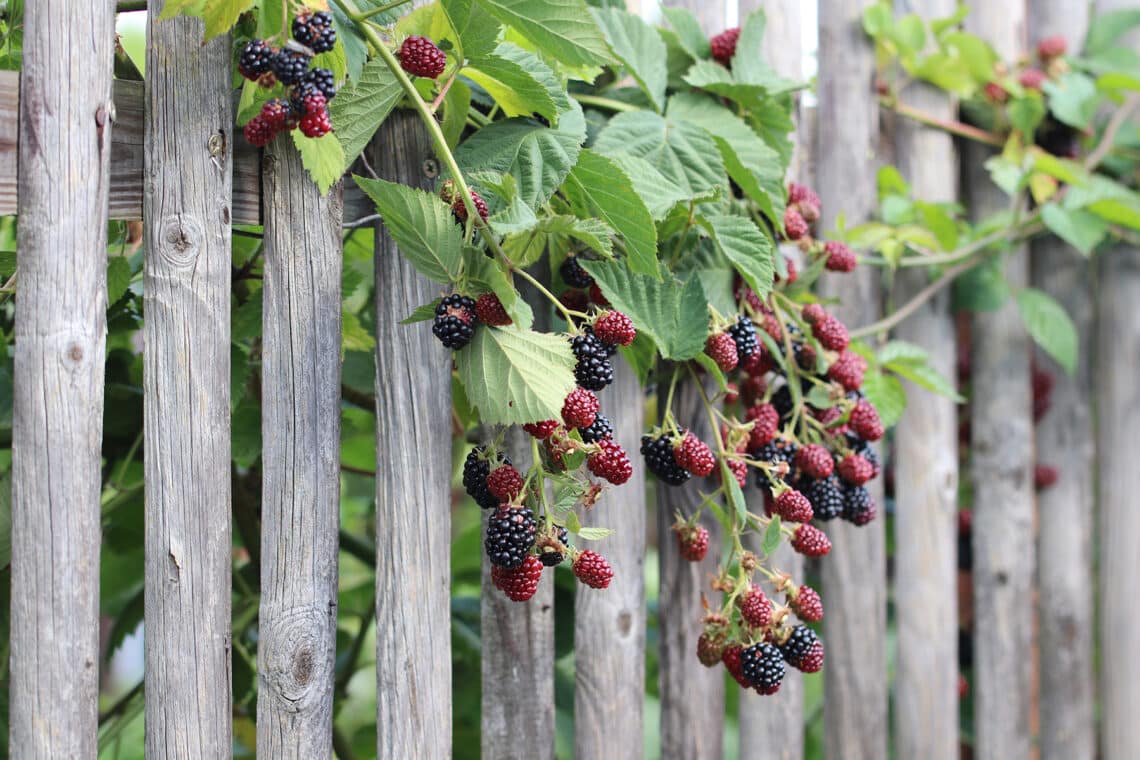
{"x": 455, "y": 321}
{"x": 601, "y": 429}
{"x": 315, "y": 31}
{"x": 476, "y": 468}
{"x": 658, "y": 453}
{"x": 510, "y": 536}
{"x": 762, "y": 666}
{"x": 290, "y": 66}
{"x": 593, "y": 370}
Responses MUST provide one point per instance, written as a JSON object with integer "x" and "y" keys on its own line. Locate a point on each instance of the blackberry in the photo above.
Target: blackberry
{"x": 455, "y": 321}
{"x": 865, "y": 450}
{"x": 857, "y": 504}
{"x": 782, "y": 400}
{"x": 773, "y": 452}
{"x": 323, "y": 79}
{"x": 574, "y": 275}
{"x": 658, "y": 453}
{"x": 798, "y": 644}
{"x": 762, "y": 666}
{"x": 290, "y": 66}
{"x": 744, "y": 333}
{"x": 303, "y": 97}
{"x": 593, "y": 370}
{"x": 315, "y": 31}
{"x": 510, "y": 535}
{"x": 611, "y": 349}
{"x": 420, "y": 57}
{"x": 476, "y": 468}
{"x": 826, "y": 497}
{"x": 255, "y": 59}
{"x": 601, "y": 429}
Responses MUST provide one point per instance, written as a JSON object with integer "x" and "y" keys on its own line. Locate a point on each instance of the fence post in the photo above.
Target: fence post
{"x": 854, "y": 574}
{"x": 300, "y": 422}
{"x": 609, "y": 626}
{"x": 413, "y": 483}
{"x": 926, "y": 464}
{"x": 61, "y": 332}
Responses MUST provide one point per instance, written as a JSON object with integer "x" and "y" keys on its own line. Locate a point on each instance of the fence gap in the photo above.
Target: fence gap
{"x": 61, "y": 332}
{"x": 300, "y": 455}
{"x": 413, "y": 493}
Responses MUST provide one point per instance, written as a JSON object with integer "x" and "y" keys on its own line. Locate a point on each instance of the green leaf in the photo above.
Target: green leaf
{"x": 981, "y": 288}
{"x": 684, "y": 153}
{"x": 221, "y": 15}
{"x": 641, "y": 355}
{"x": 478, "y": 31}
{"x": 947, "y": 72}
{"x": 421, "y": 314}
{"x": 712, "y": 77}
{"x": 1049, "y": 324}
{"x": 172, "y": 8}
{"x": 1073, "y": 99}
{"x": 322, "y": 157}
{"x": 673, "y": 314}
{"x": 977, "y": 54}
{"x": 713, "y": 369}
{"x": 689, "y": 33}
{"x": 354, "y": 335}
{"x": 748, "y": 62}
{"x": 1026, "y": 113}
{"x": 554, "y": 232}
{"x": 455, "y": 106}
{"x": 877, "y": 19}
{"x": 358, "y": 110}
{"x": 658, "y": 193}
{"x": 1109, "y": 200}
{"x": 516, "y": 376}
{"x": 573, "y": 523}
{"x": 598, "y": 187}
{"x": 118, "y": 278}
{"x": 732, "y": 491}
{"x": 772, "y": 537}
{"x": 909, "y": 34}
{"x": 902, "y": 352}
{"x": 486, "y": 272}
{"x": 750, "y": 250}
{"x": 1106, "y": 28}
{"x": 505, "y": 75}
{"x": 887, "y": 395}
{"x": 594, "y": 534}
{"x": 1081, "y": 229}
{"x": 422, "y": 226}
{"x": 639, "y": 47}
{"x": 563, "y": 29}
{"x": 924, "y": 375}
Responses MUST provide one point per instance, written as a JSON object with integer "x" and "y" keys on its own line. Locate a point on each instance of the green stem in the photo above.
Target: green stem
{"x": 382, "y": 9}
{"x": 607, "y": 103}
{"x": 947, "y": 125}
{"x": 569, "y": 314}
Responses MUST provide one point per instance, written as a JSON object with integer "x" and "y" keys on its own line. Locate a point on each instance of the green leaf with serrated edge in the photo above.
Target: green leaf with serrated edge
{"x": 1026, "y": 113}
{"x": 1081, "y": 229}
{"x": 659, "y": 194}
{"x": 939, "y": 221}
{"x": 1073, "y": 99}
{"x": 594, "y": 534}
{"x": 712, "y": 77}
{"x": 478, "y": 31}
{"x": 455, "y": 106}
{"x": 422, "y": 226}
{"x": 322, "y": 157}
{"x": 516, "y": 376}
{"x": 505, "y": 75}
{"x": 172, "y": 8}
{"x": 772, "y": 120}
{"x": 638, "y": 46}
{"x": 927, "y": 377}
{"x": 684, "y": 153}
{"x": 1050, "y": 325}
{"x": 118, "y": 278}
{"x": 270, "y": 19}
{"x": 525, "y": 248}
{"x": 573, "y": 524}
{"x": 886, "y": 393}
{"x": 598, "y": 187}
{"x": 749, "y": 250}
{"x": 355, "y": 48}
{"x": 772, "y": 537}
{"x": 901, "y": 351}
{"x": 422, "y": 313}
{"x": 221, "y": 15}
{"x": 689, "y": 33}
{"x": 641, "y": 356}
{"x": 1109, "y": 200}
{"x": 713, "y": 369}
{"x": 563, "y": 29}
{"x": 732, "y": 492}
{"x": 358, "y": 110}
{"x": 752, "y": 164}
{"x": 673, "y": 314}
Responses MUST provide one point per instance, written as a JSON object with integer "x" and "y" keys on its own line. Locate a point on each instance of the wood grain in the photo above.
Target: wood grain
{"x": 926, "y": 462}
{"x": 609, "y": 625}
{"x": 61, "y": 334}
{"x": 413, "y": 524}
{"x": 300, "y": 423}
{"x": 854, "y": 573}
{"x": 187, "y": 391}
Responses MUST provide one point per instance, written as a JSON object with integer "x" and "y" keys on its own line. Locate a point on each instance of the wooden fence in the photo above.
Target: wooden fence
{"x": 73, "y": 156}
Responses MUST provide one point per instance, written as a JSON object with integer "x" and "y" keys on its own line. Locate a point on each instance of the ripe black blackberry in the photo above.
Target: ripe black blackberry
{"x": 551, "y": 557}
{"x": 593, "y": 370}
{"x": 826, "y": 497}
{"x": 783, "y": 402}
{"x": 290, "y": 66}
{"x": 611, "y": 349}
{"x": 574, "y": 275}
{"x": 255, "y": 59}
{"x": 744, "y": 333}
{"x": 476, "y": 468}
{"x": 601, "y": 429}
{"x": 762, "y": 666}
{"x": 658, "y": 453}
{"x": 798, "y": 644}
{"x": 322, "y": 79}
{"x": 774, "y": 452}
{"x": 510, "y": 535}
{"x": 857, "y": 504}
{"x": 315, "y": 31}
{"x": 455, "y": 321}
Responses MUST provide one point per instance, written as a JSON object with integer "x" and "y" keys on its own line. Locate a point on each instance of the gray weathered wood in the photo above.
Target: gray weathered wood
{"x": 609, "y": 625}
{"x": 854, "y": 574}
{"x": 1065, "y": 440}
{"x": 187, "y": 391}
{"x": 300, "y": 422}
{"x": 413, "y": 524}
{"x": 926, "y": 465}
{"x": 61, "y": 332}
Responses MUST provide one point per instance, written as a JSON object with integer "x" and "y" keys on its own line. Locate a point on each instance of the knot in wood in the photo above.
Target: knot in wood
{"x": 431, "y": 168}
{"x": 217, "y": 144}
{"x": 75, "y": 353}
{"x": 297, "y": 656}
{"x": 180, "y": 240}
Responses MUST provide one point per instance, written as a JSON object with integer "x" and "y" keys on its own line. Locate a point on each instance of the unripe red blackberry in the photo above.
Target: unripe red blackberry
{"x": 847, "y": 370}
{"x": 864, "y": 420}
{"x": 490, "y": 310}
{"x": 580, "y": 408}
{"x": 505, "y": 483}
{"x": 692, "y": 541}
{"x": 610, "y": 463}
{"x": 731, "y": 659}
{"x": 258, "y": 132}
{"x": 790, "y": 267}
{"x": 592, "y": 569}
{"x": 256, "y": 59}
{"x": 520, "y": 583}
{"x": 290, "y": 66}
{"x": 810, "y": 541}
{"x": 755, "y": 608}
{"x": 840, "y": 258}
{"x": 721, "y": 348}
{"x": 815, "y": 461}
{"x": 765, "y": 424}
{"x": 1045, "y": 476}
{"x": 795, "y": 226}
{"x": 831, "y": 333}
{"x": 275, "y": 113}
{"x": 1031, "y": 79}
{"x": 812, "y": 662}
{"x": 762, "y": 666}
{"x": 995, "y": 93}
{"x": 574, "y": 299}
{"x": 455, "y": 321}
{"x": 597, "y": 296}
{"x": 739, "y": 470}
{"x": 316, "y": 124}
{"x": 1052, "y": 47}
{"x": 855, "y": 469}
{"x": 723, "y": 46}
{"x": 793, "y": 506}
{"x": 543, "y": 429}
{"x": 693, "y": 454}
{"x": 805, "y": 602}
{"x": 574, "y": 274}
{"x": 420, "y": 57}
{"x": 459, "y": 208}
{"x": 614, "y": 328}
{"x": 806, "y": 200}
{"x": 812, "y": 313}
{"x": 659, "y": 458}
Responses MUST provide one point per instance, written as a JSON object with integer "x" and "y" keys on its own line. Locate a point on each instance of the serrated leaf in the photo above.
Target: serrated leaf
{"x": 689, "y": 33}
{"x": 1050, "y": 325}
{"x": 598, "y": 187}
{"x": 358, "y": 110}
{"x": 887, "y": 395}
{"x": 563, "y": 29}
{"x": 659, "y": 194}
{"x": 322, "y": 157}
{"x": 924, "y": 375}
{"x": 422, "y": 226}
{"x": 573, "y": 524}
{"x": 421, "y": 314}
{"x": 516, "y": 376}
{"x": 902, "y": 352}
{"x": 455, "y": 106}
{"x": 594, "y": 534}
{"x": 673, "y": 314}
{"x": 478, "y": 31}
{"x": 772, "y": 537}
{"x": 639, "y": 47}
{"x": 1073, "y": 99}
{"x": 1081, "y": 229}
{"x": 527, "y": 247}
{"x": 221, "y": 15}
{"x": 172, "y": 8}
{"x": 118, "y": 278}
{"x": 750, "y": 250}
{"x": 505, "y": 75}
{"x": 684, "y": 153}
{"x": 712, "y": 77}
{"x": 733, "y": 493}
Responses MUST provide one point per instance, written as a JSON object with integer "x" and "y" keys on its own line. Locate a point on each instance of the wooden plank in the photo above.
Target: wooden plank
{"x": 300, "y": 423}
{"x": 926, "y": 465}
{"x": 1064, "y": 439}
{"x": 1001, "y": 464}
{"x": 854, "y": 574}
{"x": 413, "y": 441}
{"x": 187, "y": 391}
{"x": 609, "y": 625}
{"x": 61, "y": 334}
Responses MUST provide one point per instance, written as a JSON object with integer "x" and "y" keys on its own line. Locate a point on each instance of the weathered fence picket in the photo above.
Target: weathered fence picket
{"x": 61, "y": 333}
{"x": 926, "y": 463}
{"x": 854, "y": 574}
{"x": 186, "y": 215}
